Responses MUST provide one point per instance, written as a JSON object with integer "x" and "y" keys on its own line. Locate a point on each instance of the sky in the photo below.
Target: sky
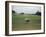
{"x": 26, "y": 9}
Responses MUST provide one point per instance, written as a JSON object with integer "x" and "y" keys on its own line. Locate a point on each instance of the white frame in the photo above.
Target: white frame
{"x": 26, "y": 31}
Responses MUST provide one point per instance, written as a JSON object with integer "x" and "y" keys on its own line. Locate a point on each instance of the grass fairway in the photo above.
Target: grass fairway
{"x": 18, "y": 22}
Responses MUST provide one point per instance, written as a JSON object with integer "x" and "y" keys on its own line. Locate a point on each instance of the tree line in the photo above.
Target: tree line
{"x": 37, "y": 13}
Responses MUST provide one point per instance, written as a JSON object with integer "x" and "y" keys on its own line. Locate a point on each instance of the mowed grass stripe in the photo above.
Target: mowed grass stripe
{"x": 18, "y": 22}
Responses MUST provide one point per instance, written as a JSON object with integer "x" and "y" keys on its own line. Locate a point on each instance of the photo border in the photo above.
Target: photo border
{"x": 7, "y": 17}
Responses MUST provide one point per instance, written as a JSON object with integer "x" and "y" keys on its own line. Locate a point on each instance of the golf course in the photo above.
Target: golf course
{"x": 19, "y": 23}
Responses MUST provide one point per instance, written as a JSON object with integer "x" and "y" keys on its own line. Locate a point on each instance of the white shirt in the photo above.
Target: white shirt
{"x": 27, "y": 19}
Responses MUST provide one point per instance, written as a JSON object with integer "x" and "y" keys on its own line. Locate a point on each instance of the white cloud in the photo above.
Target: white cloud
{"x": 26, "y": 9}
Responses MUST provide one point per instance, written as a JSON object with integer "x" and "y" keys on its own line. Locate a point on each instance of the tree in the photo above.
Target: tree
{"x": 38, "y": 13}
{"x": 22, "y": 13}
{"x": 13, "y": 11}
